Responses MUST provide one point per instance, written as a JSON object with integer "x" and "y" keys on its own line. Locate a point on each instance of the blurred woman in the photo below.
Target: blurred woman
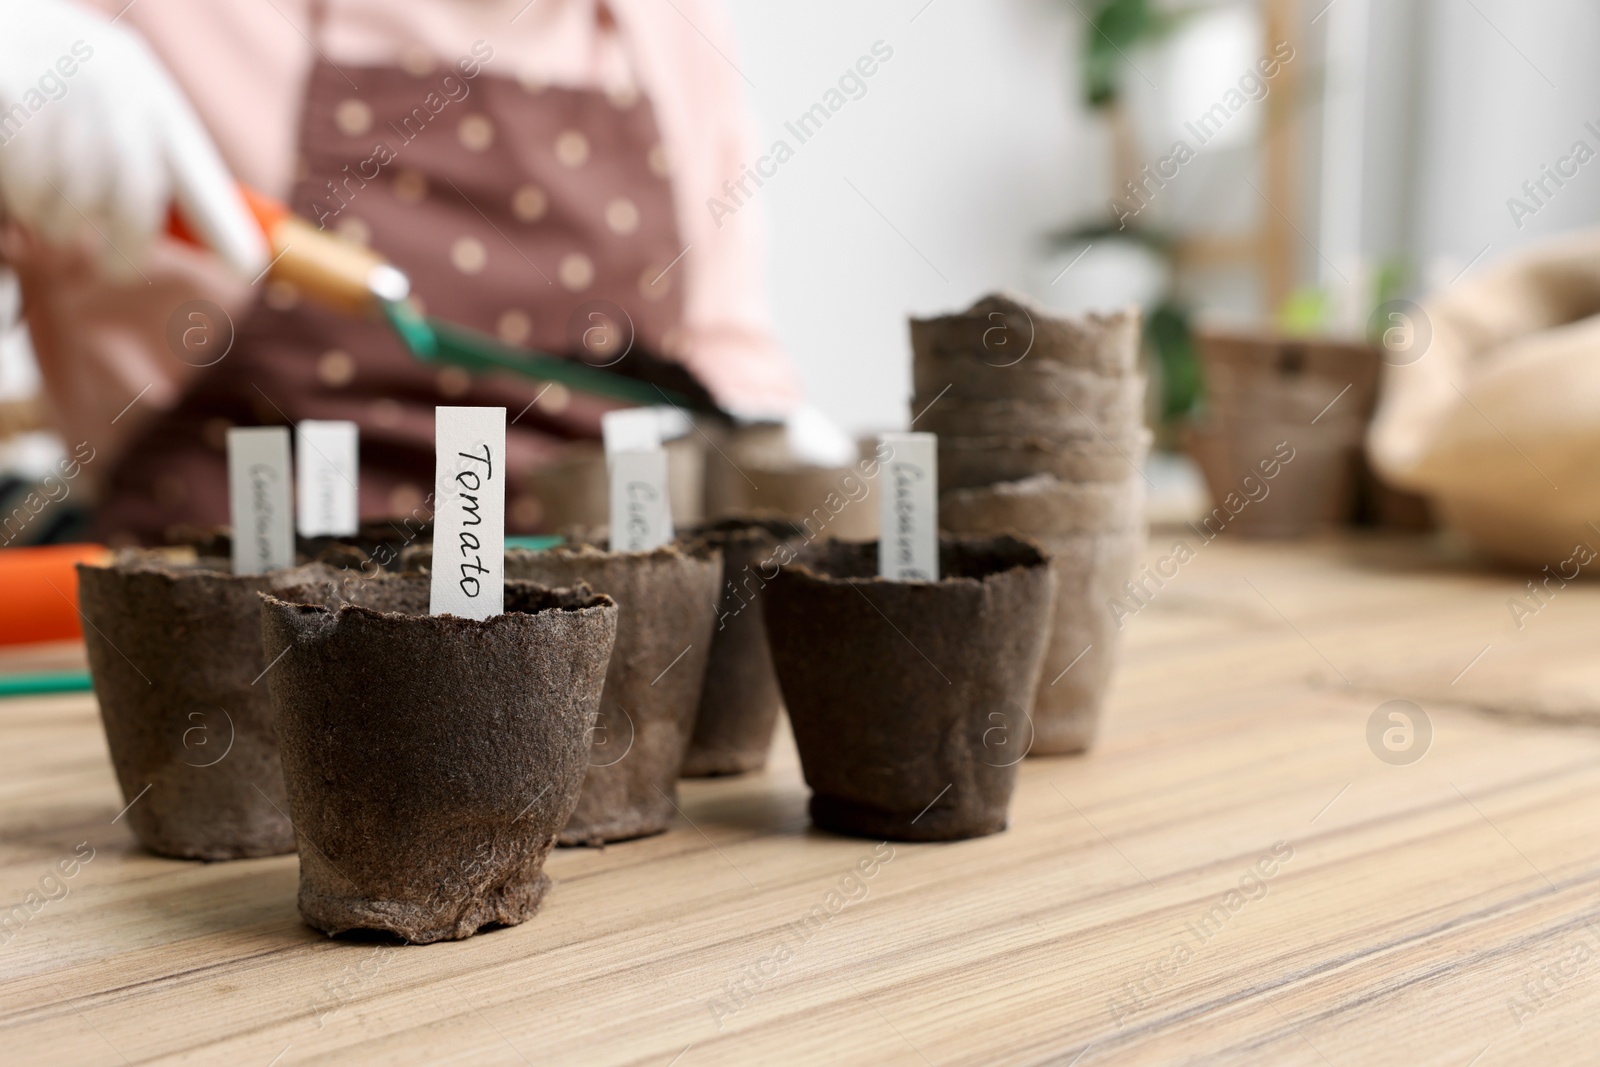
{"x": 529, "y": 165}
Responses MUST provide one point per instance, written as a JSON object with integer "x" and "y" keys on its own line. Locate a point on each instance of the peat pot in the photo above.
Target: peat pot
{"x": 666, "y": 610}
{"x": 431, "y": 760}
{"x": 175, "y": 653}
{"x": 909, "y": 699}
{"x": 740, "y": 700}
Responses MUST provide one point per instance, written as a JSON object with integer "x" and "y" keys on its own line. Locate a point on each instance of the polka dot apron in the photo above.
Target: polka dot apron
{"x": 532, "y": 213}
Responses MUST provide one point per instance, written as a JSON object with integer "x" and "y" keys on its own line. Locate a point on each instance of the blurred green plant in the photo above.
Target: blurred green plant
{"x": 1115, "y": 27}
{"x": 1305, "y": 312}
{"x": 1309, "y": 310}
{"x": 1168, "y": 333}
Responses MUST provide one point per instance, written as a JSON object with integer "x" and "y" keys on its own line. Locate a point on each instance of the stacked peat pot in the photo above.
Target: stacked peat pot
{"x": 1042, "y": 435}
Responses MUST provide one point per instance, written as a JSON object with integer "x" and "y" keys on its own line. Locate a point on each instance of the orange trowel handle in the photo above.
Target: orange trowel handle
{"x": 330, "y": 270}
{"x": 268, "y": 213}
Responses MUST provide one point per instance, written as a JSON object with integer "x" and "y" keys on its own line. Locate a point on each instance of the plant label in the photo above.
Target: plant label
{"x": 469, "y": 515}
{"x": 908, "y": 544}
{"x": 631, "y": 430}
{"x": 641, "y": 514}
{"x": 326, "y": 500}
{"x": 258, "y": 499}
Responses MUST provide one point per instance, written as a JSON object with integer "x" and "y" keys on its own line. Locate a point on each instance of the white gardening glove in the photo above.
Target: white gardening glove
{"x": 815, "y": 439}
{"x": 99, "y": 153}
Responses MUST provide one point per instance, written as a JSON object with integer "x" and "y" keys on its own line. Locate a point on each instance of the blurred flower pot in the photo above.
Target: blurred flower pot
{"x": 740, "y": 701}
{"x": 666, "y": 614}
{"x": 752, "y": 471}
{"x": 572, "y": 488}
{"x": 1268, "y": 398}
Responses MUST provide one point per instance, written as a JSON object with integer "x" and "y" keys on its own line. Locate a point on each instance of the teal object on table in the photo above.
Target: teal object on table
{"x": 536, "y": 543}
{"x": 40, "y": 683}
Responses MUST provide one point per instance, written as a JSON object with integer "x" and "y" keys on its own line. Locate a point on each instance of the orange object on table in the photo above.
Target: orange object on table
{"x": 39, "y": 591}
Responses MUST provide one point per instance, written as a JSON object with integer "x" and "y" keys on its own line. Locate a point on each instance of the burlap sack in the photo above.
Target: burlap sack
{"x": 1093, "y": 534}
{"x": 175, "y": 653}
{"x": 666, "y": 614}
{"x": 431, "y": 760}
{"x": 1497, "y": 418}
{"x": 896, "y": 689}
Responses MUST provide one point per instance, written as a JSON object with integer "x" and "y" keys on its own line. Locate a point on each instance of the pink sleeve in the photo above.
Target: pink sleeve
{"x": 686, "y": 56}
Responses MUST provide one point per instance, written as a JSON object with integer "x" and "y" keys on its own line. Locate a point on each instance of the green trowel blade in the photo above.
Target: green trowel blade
{"x": 434, "y": 341}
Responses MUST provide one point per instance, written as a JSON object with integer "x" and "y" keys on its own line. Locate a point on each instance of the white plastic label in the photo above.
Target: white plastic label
{"x": 469, "y": 515}
{"x": 631, "y": 430}
{"x": 258, "y": 499}
{"x": 908, "y": 544}
{"x": 641, "y": 514}
{"x": 327, "y": 469}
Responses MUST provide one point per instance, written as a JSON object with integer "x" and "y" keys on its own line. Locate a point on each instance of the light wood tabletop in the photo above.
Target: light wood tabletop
{"x": 1233, "y": 876}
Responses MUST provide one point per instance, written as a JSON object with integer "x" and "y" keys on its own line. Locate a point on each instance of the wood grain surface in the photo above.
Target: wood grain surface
{"x": 1234, "y": 877}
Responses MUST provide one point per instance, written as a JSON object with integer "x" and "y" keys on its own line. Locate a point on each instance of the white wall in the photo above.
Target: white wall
{"x": 969, "y": 141}
{"x": 1489, "y": 116}
{"x": 972, "y": 142}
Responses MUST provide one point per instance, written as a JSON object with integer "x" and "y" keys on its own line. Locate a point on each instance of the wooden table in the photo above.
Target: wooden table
{"x": 1433, "y": 912}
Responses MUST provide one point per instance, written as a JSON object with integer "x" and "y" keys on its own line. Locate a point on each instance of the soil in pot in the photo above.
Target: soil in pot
{"x": 666, "y": 613}
{"x": 175, "y": 652}
{"x": 740, "y": 701}
{"x": 431, "y": 760}
{"x": 908, "y": 699}
{"x": 376, "y": 545}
